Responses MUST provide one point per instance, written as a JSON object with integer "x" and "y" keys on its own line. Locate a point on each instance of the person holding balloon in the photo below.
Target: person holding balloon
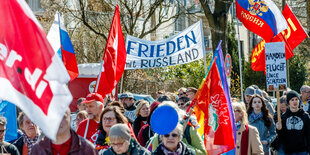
{"x": 188, "y": 137}
{"x": 172, "y": 143}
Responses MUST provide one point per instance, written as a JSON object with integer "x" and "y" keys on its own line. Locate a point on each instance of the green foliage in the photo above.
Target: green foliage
{"x": 297, "y": 71}
{"x": 253, "y": 77}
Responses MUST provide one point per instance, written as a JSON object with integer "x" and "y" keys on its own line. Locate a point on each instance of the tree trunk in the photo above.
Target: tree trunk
{"x": 217, "y": 21}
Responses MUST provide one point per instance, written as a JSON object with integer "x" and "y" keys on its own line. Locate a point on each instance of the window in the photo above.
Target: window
{"x": 35, "y": 5}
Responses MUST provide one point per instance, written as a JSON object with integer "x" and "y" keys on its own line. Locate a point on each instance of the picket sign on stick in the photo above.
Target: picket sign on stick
{"x": 276, "y": 76}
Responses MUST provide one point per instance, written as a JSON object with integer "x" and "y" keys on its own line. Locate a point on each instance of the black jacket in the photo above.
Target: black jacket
{"x": 19, "y": 144}
{"x": 6, "y": 147}
{"x": 134, "y": 149}
{"x": 137, "y": 124}
{"x": 295, "y": 132}
{"x": 185, "y": 150}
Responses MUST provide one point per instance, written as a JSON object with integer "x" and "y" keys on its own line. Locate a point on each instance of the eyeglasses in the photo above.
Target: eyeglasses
{"x": 108, "y": 119}
{"x": 181, "y": 104}
{"x": 2, "y": 131}
{"x": 117, "y": 144}
{"x": 173, "y": 135}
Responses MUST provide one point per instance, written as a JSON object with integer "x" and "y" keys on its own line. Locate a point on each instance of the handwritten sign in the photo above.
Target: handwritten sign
{"x": 275, "y": 66}
{"x": 185, "y": 47}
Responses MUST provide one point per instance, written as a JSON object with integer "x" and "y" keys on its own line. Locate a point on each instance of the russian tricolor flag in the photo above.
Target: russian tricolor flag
{"x": 61, "y": 43}
{"x": 262, "y": 17}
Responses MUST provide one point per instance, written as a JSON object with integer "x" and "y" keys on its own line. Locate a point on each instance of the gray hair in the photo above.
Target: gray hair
{"x": 178, "y": 129}
{"x": 303, "y": 88}
{"x": 3, "y": 120}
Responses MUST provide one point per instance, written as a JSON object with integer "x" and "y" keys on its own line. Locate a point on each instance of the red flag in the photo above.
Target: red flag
{"x": 292, "y": 37}
{"x": 212, "y": 114}
{"x": 114, "y": 58}
{"x": 31, "y": 75}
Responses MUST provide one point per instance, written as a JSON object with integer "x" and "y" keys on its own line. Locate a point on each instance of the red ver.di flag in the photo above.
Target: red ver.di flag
{"x": 114, "y": 58}
{"x": 31, "y": 75}
{"x": 213, "y": 115}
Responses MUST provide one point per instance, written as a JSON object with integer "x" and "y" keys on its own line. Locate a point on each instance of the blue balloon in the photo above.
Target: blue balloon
{"x": 164, "y": 120}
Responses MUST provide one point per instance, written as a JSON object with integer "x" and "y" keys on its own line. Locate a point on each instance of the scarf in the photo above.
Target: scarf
{"x": 238, "y": 125}
{"x": 256, "y": 116}
{"x": 30, "y": 143}
{"x": 167, "y": 152}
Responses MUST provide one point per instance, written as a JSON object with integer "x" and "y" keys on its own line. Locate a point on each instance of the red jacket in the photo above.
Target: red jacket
{"x": 79, "y": 146}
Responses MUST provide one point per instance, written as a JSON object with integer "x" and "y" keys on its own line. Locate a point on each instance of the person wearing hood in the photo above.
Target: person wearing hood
{"x": 295, "y": 127}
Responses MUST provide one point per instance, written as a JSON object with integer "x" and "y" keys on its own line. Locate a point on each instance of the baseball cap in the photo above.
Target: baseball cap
{"x": 93, "y": 97}
{"x": 126, "y": 95}
{"x": 249, "y": 91}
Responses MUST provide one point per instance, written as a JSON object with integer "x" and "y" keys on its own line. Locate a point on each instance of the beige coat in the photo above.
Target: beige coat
{"x": 255, "y": 147}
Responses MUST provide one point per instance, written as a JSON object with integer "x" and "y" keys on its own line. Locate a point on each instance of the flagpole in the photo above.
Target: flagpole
{"x": 239, "y": 54}
{"x": 99, "y": 76}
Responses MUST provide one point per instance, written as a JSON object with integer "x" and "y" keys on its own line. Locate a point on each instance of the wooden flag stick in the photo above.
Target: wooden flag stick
{"x": 278, "y": 106}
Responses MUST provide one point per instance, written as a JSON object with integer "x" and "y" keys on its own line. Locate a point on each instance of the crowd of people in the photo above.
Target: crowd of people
{"x": 123, "y": 127}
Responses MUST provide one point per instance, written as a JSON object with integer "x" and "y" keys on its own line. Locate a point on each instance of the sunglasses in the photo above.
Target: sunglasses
{"x": 182, "y": 94}
{"x": 173, "y": 135}
{"x": 2, "y": 131}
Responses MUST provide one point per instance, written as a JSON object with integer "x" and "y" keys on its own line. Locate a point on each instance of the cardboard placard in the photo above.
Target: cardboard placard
{"x": 276, "y": 77}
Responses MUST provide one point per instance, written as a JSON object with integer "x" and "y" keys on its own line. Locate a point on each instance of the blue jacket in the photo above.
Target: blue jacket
{"x": 265, "y": 133}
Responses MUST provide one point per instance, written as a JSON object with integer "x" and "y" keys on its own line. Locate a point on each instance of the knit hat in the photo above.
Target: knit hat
{"x": 290, "y": 95}
{"x": 120, "y": 130}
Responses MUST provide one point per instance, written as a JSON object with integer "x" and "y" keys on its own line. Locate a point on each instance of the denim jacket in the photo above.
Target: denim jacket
{"x": 265, "y": 133}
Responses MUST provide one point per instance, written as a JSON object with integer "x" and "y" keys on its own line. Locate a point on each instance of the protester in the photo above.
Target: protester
{"x": 182, "y": 92}
{"x": 172, "y": 96}
{"x": 5, "y": 147}
{"x": 191, "y": 137}
{"x": 248, "y": 140}
{"x": 191, "y": 92}
{"x": 80, "y": 116}
{"x": 110, "y": 116}
{"x": 260, "y": 118}
{"x": 30, "y": 134}
{"x": 142, "y": 113}
{"x": 122, "y": 143}
{"x": 67, "y": 142}
{"x": 182, "y": 101}
{"x": 81, "y": 106}
{"x": 252, "y": 90}
{"x": 159, "y": 93}
{"x": 128, "y": 103}
{"x": 94, "y": 106}
{"x": 172, "y": 144}
{"x": 146, "y": 131}
{"x": 163, "y": 98}
{"x": 277, "y": 143}
{"x": 117, "y": 104}
{"x": 294, "y": 131}
{"x": 305, "y": 98}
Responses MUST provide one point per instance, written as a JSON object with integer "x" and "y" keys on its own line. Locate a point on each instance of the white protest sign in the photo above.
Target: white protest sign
{"x": 275, "y": 66}
{"x": 185, "y": 47}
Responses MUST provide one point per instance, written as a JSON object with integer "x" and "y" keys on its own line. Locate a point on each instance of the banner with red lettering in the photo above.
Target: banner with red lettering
{"x": 32, "y": 76}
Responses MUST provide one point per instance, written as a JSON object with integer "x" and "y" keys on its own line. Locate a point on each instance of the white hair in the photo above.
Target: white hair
{"x": 180, "y": 112}
{"x": 303, "y": 88}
